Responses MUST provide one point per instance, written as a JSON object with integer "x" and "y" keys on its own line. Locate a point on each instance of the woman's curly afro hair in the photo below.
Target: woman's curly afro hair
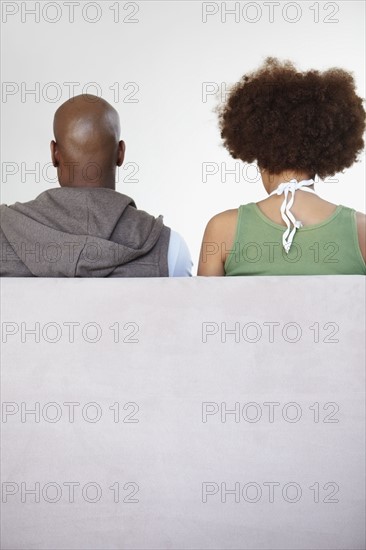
{"x": 285, "y": 119}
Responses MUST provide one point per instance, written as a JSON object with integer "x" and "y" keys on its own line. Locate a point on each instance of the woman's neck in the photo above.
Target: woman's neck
{"x": 272, "y": 181}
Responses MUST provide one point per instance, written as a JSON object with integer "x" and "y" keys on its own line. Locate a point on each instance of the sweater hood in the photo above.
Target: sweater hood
{"x": 78, "y": 232}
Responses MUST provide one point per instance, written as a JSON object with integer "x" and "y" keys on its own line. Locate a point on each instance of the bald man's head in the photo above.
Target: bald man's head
{"x": 87, "y": 149}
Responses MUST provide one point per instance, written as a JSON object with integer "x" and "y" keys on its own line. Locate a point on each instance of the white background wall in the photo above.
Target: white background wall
{"x": 169, "y": 54}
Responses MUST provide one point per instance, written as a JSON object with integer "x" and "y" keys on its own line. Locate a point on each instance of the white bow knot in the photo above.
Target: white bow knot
{"x": 287, "y": 186}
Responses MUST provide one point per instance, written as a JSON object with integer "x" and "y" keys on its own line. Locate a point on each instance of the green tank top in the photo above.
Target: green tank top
{"x": 327, "y": 248}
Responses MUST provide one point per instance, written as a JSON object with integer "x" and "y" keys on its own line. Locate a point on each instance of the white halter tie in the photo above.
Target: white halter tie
{"x": 286, "y": 214}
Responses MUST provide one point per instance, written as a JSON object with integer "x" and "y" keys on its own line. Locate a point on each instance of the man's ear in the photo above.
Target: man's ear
{"x": 121, "y": 153}
{"x": 54, "y": 154}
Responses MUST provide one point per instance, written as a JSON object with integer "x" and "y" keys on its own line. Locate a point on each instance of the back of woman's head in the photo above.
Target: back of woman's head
{"x": 286, "y": 119}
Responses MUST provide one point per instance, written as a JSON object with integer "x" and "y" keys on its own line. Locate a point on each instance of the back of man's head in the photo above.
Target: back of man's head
{"x": 87, "y": 149}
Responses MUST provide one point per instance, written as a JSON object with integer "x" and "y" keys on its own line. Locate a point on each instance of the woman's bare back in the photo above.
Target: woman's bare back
{"x": 308, "y": 208}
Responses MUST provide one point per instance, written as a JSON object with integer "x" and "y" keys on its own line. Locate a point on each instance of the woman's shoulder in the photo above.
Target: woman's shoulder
{"x": 224, "y": 222}
{"x": 225, "y": 216}
{"x": 360, "y": 222}
{"x": 222, "y": 226}
{"x": 228, "y": 216}
{"x": 361, "y": 232}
